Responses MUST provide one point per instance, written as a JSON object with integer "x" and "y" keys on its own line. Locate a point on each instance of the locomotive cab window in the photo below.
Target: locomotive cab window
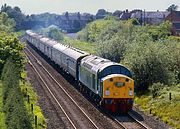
{"x": 119, "y": 84}
{"x": 111, "y": 79}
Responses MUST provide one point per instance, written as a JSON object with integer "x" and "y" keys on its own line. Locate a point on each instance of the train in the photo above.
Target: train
{"x": 108, "y": 83}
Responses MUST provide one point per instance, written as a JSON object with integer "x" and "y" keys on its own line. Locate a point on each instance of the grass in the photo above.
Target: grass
{"x": 82, "y": 45}
{"x": 27, "y": 89}
{"x": 162, "y": 107}
{"x": 2, "y": 114}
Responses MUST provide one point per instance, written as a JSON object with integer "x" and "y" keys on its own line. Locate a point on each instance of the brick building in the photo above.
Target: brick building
{"x": 174, "y": 18}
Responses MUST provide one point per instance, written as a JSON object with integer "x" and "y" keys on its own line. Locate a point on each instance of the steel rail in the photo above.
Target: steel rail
{"x": 39, "y": 62}
{"x": 52, "y": 94}
{"x": 137, "y": 121}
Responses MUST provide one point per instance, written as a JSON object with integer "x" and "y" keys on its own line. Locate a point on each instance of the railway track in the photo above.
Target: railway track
{"x": 74, "y": 113}
{"x": 130, "y": 122}
{"x": 125, "y": 122}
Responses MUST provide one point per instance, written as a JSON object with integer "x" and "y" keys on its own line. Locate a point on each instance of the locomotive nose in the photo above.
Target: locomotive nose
{"x": 118, "y": 93}
{"x": 118, "y": 87}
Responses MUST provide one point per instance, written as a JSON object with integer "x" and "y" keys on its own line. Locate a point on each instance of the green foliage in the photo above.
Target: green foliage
{"x": 144, "y": 49}
{"x": 114, "y": 40}
{"x": 2, "y": 114}
{"x": 149, "y": 64}
{"x": 133, "y": 21}
{"x": 16, "y": 14}
{"x": 92, "y": 30}
{"x": 174, "y": 38}
{"x": 173, "y": 50}
{"x": 10, "y": 47}
{"x": 155, "y": 89}
{"x": 110, "y": 17}
{"x": 161, "y": 106}
{"x": 52, "y": 32}
{"x": 82, "y": 45}
{"x": 27, "y": 89}
{"x": 161, "y": 31}
{"x": 16, "y": 115}
{"x": 6, "y": 24}
{"x": 55, "y": 34}
{"x": 113, "y": 49}
{"x": 101, "y": 14}
{"x": 151, "y": 54}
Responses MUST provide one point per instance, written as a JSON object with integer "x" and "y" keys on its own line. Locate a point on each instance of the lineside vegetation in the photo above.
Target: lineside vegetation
{"x": 15, "y": 113}
{"x": 151, "y": 53}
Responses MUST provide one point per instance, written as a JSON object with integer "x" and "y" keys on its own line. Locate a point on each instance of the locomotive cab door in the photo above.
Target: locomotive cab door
{"x": 67, "y": 65}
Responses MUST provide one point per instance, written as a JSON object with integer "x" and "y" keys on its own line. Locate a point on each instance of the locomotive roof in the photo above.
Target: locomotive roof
{"x": 115, "y": 75}
{"x": 97, "y": 64}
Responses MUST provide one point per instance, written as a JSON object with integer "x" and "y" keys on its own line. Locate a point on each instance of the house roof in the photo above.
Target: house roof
{"x": 74, "y": 17}
{"x": 158, "y": 14}
{"x": 125, "y": 15}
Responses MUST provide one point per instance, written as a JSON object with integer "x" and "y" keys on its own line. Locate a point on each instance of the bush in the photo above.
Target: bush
{"x": 155, "y": 89}
{"x": 10, "y": 47}
{"x": 52, "y": 32}
{"x": 91, "y": 32}
{"x": 16, "y": 115}
{"x": 149, "y": 64}
{"x": 113, "y": 49}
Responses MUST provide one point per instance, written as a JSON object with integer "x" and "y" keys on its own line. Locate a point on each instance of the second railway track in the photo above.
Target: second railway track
{"x": 77, "y": 117}
{"x": 130, "y": 122}
{"x": 74, "y": 113}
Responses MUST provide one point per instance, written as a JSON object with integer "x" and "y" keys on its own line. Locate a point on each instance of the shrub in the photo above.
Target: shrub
{"x": 10, "y": 47}
{"x": 52, "y": 32}
{"x": 91, "y": 32}
{"x": 16, "y": 116}
{"x": 149, "y": 64}
{"x": 155, "y": 89}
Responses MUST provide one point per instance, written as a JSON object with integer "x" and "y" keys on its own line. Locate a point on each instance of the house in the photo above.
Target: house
{"x": 150, "y": 17}
{"x": 125, "y": 15}
{"x": 174, "y": 18}
{"x": 73, "y": 22}
{"x": 154, "y": 17}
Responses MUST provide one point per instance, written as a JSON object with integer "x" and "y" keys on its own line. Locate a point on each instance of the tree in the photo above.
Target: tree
{"x": 117, "y": 13}
{"x": 101, "y": 14}
{"x": 6, "y": 24}
{"x": 10, "y": 47}
{"x": 16, "y": 114}
{"x": 151, "y": 62}
{"x": 54, "y": 33}
{"x": 172, "y": 7}
{"x": 16, "y": 14}
{"x": 17, "y": 9}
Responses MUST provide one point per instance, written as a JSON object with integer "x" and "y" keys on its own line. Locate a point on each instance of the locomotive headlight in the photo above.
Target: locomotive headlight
{"x": 107, "y": 92}
{"x": 130, "y": 93}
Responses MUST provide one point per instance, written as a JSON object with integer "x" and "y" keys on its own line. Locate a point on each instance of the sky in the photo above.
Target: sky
{"x": 89, "y": 6}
